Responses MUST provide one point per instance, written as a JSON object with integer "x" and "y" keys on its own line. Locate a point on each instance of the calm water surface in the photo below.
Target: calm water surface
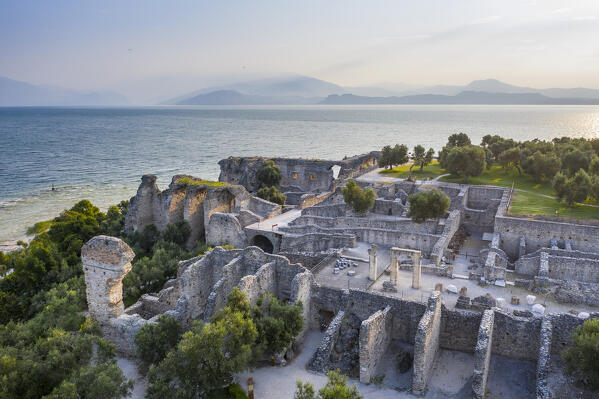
{"x": 100, "y": 153}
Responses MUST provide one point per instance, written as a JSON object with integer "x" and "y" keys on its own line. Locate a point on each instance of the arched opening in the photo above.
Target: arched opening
{"x": 336, "y": 169}
{"x": 263, "y": 243}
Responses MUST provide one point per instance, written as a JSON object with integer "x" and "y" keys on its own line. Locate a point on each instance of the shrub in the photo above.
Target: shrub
{"x": 582, "y": 356}
{"x": 154, "y": 341}
{"x": 269, "y": 174}
{"x": 272, "y": 194}
{"x": 361, "y": 200}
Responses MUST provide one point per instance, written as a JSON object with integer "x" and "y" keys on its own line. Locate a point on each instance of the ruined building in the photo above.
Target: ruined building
{"x": 379, "y": 284}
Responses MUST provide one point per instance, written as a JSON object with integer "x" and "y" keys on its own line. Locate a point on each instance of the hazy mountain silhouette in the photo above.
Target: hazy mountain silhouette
{"x": 465, "y": 97}
{"x": 233, "y": 97}
{"x": 294, "y": 88}
{"x": 16, "y": 93}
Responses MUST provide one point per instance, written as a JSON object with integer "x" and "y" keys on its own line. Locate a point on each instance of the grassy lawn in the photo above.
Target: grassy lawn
{"x": 530, "y": 204}
{"x": 496, "y": 176}
{"x": 431, "y": 171}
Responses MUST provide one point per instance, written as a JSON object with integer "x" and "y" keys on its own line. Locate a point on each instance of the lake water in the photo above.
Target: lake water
{"x": 100, "y": 153}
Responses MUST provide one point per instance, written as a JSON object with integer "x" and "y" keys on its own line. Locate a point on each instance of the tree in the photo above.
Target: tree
{"x": 386, "y": 158}
{"x": 594, "y": 166}
{"x": 205, "y": 358}
{"x": 455, "y": 140}
{"x": 511, "y": 158}
{"x": 421, "y": 157}
{"x": 560, "y": 185}
{"x": 154, "y": 341}
{"x": 458, "y": 140}
{"x": 360, "y": 199}
{"x": 542, "y": 166}
{"x": 574, "y": 189}
{"x": 272, "y": 194}
{"x": 467, "y": 161}
{"x": 428, "y": 204}
{"x": 269, "y": 174}
{"x": 582, "y": 355}
{"x": 278, "y": 324}
{"x": 335, "y": 388}
{"x": 573, "y": 159}
{"x": 399, "y": 154}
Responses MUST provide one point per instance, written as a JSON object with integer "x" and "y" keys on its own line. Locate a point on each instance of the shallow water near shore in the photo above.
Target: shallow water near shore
{"x": 100, "y": 153}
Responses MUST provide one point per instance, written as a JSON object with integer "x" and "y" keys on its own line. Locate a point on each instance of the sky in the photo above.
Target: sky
{"x": 151, "y": 48}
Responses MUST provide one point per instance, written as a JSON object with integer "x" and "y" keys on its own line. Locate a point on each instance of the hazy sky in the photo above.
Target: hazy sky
{"x": 138, "y": 45}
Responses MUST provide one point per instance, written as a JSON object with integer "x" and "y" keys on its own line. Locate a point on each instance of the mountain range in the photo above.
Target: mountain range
{"x": 17, "y": 93}
{"x": 295, "y": 90}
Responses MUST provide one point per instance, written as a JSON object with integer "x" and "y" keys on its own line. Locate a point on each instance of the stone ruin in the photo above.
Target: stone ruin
{"x": 362, "y": 325}
{"x": 199, "y": 291}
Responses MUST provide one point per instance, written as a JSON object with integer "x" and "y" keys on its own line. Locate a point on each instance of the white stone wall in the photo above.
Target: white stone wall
{"x": 375, "y": 335}
{"x": 426, "y": 343}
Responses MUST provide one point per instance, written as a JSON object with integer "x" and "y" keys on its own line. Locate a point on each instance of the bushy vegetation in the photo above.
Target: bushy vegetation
{"x": 335, "y": 388}
{"x": 46, "y": 343}
{"x": 428, "y": 204}
{"x": 269, "y": 174}
{"x": 272, "y": 194}
{"x": 582, "y": 355}
{"x": 204, "y": 361}
{"x": 361, "y": 200}
{"x": 154, "y": 341}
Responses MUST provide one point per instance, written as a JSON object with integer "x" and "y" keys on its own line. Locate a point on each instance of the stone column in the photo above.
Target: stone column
{"x": 394, "y": 265}
{"x": 417, "y": 269}
{"x": 372, "y": 258}
{"x": 106, "y": 261}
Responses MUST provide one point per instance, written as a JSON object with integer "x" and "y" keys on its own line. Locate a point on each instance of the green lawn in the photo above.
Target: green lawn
{"x": 496, "y": 176}
{"x": 431, "y": 171}
{"x": 524, "y": 203}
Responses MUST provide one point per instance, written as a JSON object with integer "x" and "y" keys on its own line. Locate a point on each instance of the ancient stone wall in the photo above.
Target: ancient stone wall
{"x": 452, "y": 224}
{"x": 297, "y": 175}
{"x": 389, "y": 207}
{"x": 561, "y": 265}
{"x": 544, "y": 358}
{"x": 320, "y": 358}
{"x": 352, "y": 222}
{"x": 330, "y": 211}
{"x": 539, "y": 233}
{"x": 224, "y": 228}
{"x": 482, "y": 355}
{"x": 426, "y": 343}
{"x": 516, "y": 337}
{"x": 375, "y": 335}
{"x": 459, "y": 329}
{"x": 316, "y": 242}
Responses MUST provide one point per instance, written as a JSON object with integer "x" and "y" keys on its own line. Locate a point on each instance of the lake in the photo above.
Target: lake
{"x": 100, "y": 153}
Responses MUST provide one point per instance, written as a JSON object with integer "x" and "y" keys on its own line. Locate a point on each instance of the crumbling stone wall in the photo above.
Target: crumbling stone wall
{"x": 482, "y": 355}
{"x": 452, "y": 224}
{"x": 297, "y": 175}
{"x": 320, "y": 358}
{"x": 106, "y": 261}
{"x": 561, "y": 265}
{"x": 544, "y": 358}
{"x": 224, "y": 228}
{"x": 539, "y": 233}
{"x": 375, "y": 335}
{"x": 426, "y": 343}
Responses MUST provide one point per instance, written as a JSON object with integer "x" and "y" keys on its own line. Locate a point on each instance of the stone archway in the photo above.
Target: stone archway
{"x": 263, "y": 243}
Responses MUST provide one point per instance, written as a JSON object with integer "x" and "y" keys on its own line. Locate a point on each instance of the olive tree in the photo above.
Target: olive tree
{"x": 581, "y": 357}
{"x": 361, "y": 200}
{"x": 467, "y": 161}
{"x": 428, "y": 204}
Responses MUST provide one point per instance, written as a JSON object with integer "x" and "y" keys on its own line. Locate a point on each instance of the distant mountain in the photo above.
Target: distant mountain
{"x": 233, "y": 97}
{"x": 465, "y": 97}
{"x": 16, "y": 93}
{"x": 294, "y": 87}
{"x": 306, "y": 90}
